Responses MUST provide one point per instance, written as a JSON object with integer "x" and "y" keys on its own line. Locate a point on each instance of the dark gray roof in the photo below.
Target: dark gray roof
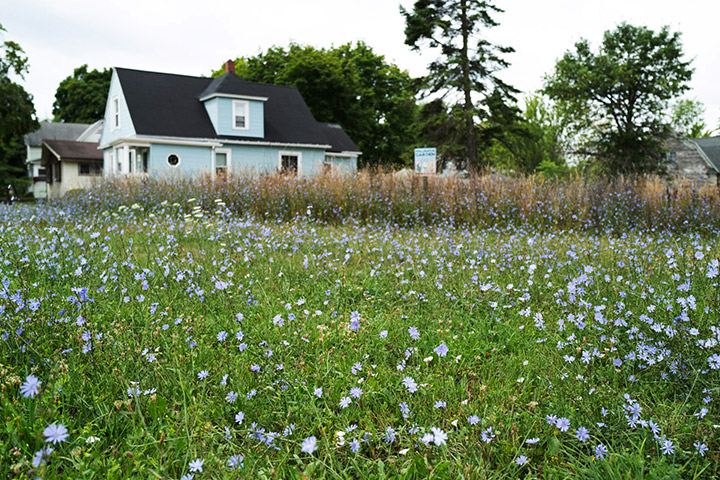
{"x": 55, "y": 131}
{"x": 67, "y": 149}
{"x": 711, "y": 148}
{"x": 339, "y": 140}
{"x": 165, "y": 104}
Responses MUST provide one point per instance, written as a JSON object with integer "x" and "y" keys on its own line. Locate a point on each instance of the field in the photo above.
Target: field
{"x": 289, "y": 329}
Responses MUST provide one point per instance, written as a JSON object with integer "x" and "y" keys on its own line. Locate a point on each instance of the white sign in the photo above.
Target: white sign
{"x": 425, "y": 161}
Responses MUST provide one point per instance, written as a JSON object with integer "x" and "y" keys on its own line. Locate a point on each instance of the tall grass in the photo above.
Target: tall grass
{"x": 614, "y": 205}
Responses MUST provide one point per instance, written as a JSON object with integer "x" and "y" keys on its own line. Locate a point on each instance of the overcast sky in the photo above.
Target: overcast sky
{"x": 194, "y": 37}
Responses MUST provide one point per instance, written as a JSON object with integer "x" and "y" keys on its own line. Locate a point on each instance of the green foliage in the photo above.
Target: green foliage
{"x": 536, "y": 138}
{"x": 373, "y": 100}
{"x": 81, "y": 98}
{"x": 466, "y": 65}
{"x": 686, "y": 117}
{"x": 616, "y": 98}
{"x": 17, "y": 117}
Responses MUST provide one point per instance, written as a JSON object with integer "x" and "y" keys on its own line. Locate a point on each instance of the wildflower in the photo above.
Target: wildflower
{"x": 600, "y": 451}
{"x": 582, "y": 434}
{"x": 389, "y": 435}
{"x": 532, "y": 441}
{"x": 309, "y": 445}
{"x": 668, "y": 447}
{"x": 355, "y": 445}
{"x": 55, "y": 433}
{"x": 440, "y": 404}
{"x": 202, "y": 374}
{"x": 384, "y": 334}
{"x": 345, "y": 402}
{"x": 563, "y": 424}
{"x": 356, "y": 392}
{"x": 239, "y": 417}
{"x": 236, "y": 461}
{"x": 31, "y": 387}
{"x": 414, "y": 333}
{"x": 231, "y": 397}
{"x": 318, "y": 392}
{"x": 473, "y": 419}
{"x": 40, "y": 456}
{"x": 439, "y": 437}
{"x": 221, "y": 336}
{"x": 488, "y": 435}
{"x": 521, "y": 460}
{"x": 441, "y": 349}
{"x": 410, "y": 384}
{"x": 700, "y": 448}
{"x": 197, "y": 465}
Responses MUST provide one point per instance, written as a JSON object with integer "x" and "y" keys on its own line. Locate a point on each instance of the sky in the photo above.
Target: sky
{"x": 193, "y": 37}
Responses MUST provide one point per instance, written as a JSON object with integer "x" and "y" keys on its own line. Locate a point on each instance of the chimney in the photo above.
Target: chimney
{"x": 229, "y": 66}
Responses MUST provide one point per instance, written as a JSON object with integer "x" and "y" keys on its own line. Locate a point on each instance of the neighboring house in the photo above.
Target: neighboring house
{"x": 71, "y": 165}
{"x": 79, "y": 132}
{"x": 697, "y": 159}
{"x": 163, "y": 124}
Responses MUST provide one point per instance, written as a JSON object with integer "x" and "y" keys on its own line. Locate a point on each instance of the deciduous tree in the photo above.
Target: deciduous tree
{"x": 373, "y": 100}
{"x": 81, "y": 98}
{"x": 617, "y": 97}
{"x": 17, "y": 116}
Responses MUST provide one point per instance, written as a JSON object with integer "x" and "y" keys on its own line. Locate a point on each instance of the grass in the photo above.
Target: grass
{"x": 119, "y": 306}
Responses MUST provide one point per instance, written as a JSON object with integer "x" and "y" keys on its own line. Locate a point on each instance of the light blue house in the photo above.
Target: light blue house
{"x": 164, "y": 124}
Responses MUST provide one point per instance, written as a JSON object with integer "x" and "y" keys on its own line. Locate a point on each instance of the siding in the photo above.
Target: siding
{"x": 126, "y": 126}
{"x": 261, "y": 159}
{"x": 688, "y": 162}
{"x": 342, "y": 165}
{"x": 193, "y": 160}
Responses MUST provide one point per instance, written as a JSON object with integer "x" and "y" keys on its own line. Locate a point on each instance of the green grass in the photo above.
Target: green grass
{"x": 152, "y": 289}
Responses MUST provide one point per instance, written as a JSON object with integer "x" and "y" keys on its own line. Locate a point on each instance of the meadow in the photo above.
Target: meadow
{"x": 278, "y": 327}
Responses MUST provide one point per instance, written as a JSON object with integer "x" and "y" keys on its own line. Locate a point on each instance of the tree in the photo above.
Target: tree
{"x": 536, "y": 139}
{"x": 686, "y": 117}
{"x": 81, "y": 98}
{"x": 17, "y": 116}
{"x": 617, "y": 97}
{"x": 467, "y": 62}
{"x": 373, "y": 100}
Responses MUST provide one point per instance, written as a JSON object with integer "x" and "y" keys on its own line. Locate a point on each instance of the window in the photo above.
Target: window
{"x": 240, "y": 115}
{"x": 221, "y": 162}
{"x": 86, "y": 169}
{"x": 671, "y": 159}
{"x": 173, "y": 160}
{"x": 289, "y": 163}
{"x": 116, "y": 113}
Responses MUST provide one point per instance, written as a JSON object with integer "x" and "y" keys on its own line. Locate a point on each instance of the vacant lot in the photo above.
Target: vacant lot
{"x": 186, "y": 338}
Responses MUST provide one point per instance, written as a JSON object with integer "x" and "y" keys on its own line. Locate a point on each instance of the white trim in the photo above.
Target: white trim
{"x": 52, "y": 151}
{"x": 343, "y": 154}
{"x": 167, "y": 160}
{"x": 293, "y": 154}
{"x": 239, "y": 97}
{"x": 246, "y": 116}
{"x": 207, "y": 142}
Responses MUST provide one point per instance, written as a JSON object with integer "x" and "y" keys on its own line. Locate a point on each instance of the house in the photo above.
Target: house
{"x": 697, "y": 159}
{"x": 161, "y": 124}
{"x": 38, "y": 146}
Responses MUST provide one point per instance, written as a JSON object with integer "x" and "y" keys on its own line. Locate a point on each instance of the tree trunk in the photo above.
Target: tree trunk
{"x": 470, "y": 142}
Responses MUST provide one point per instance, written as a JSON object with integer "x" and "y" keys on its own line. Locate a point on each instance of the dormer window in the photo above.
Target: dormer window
{"x": 240, "y": 115}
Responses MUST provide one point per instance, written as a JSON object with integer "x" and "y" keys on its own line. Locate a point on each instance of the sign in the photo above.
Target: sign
{"x": 425, "y": 161}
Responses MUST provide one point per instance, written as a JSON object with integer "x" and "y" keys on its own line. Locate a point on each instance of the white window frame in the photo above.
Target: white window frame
{"x": 246, "y": 107}
{"x": 116, "y": 113}
{"x": 228, "y": 157}
{"x": 282, "y": 153}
